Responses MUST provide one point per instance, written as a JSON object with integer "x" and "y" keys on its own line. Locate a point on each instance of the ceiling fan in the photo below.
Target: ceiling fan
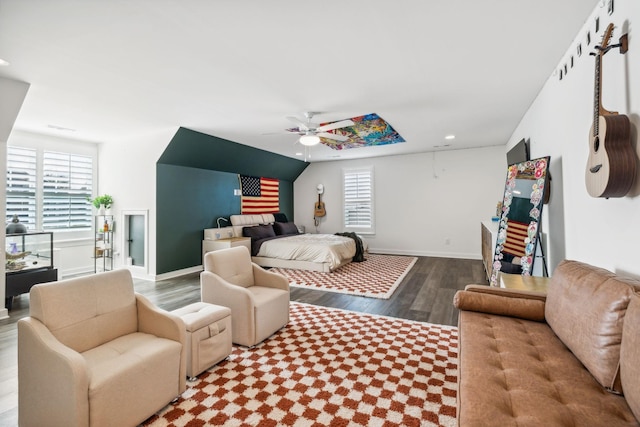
{"x": 310, "y": 133}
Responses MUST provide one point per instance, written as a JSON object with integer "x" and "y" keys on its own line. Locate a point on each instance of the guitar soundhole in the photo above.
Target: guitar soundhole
{"x": 596, "y": 144}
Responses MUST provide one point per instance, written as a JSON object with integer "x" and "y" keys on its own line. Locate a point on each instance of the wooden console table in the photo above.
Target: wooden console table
{"x": 525, "y": 283}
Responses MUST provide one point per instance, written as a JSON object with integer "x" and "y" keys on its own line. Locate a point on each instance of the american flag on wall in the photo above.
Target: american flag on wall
{"x": 259, "y": 195}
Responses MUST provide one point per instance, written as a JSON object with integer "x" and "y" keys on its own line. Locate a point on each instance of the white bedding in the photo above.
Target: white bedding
{"x": 322, "y": 248}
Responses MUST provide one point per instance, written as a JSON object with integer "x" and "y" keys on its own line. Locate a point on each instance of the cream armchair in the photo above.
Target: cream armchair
{"x": 95, "y": 353}
{"x": 258, "y": 299}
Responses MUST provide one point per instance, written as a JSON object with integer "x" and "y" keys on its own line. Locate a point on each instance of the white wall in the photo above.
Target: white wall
{"x": 603, "y": 232}
{"x": 421, "y": 200}
{"x": 128, "y": 173}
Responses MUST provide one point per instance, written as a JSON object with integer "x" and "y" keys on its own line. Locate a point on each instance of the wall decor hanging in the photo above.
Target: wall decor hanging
{"x": 259, "y": 195}
{"x": 611, "y": 167}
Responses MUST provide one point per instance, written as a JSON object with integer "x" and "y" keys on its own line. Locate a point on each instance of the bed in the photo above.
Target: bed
{"x": 279, "y": 244}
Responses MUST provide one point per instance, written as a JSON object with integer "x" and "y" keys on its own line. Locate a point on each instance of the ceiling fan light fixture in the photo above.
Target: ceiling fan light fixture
{"x": 309, "y": 140}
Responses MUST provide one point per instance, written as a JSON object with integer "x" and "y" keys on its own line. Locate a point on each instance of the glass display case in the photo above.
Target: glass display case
{"x": 29, "y": 260}
{"x": 28, "y": 251}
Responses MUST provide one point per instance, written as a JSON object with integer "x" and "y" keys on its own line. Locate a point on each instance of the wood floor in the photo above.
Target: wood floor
{"x": 425, "y": 294}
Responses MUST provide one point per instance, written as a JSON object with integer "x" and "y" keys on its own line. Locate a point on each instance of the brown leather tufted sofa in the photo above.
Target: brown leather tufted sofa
{"x": 567, "y": 358}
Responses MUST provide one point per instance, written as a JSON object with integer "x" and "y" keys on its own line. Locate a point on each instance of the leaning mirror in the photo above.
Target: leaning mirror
{"x": 518, "y": 229}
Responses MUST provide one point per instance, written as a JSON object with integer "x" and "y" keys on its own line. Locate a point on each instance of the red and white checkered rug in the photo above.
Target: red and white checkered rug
{"x": 329, "y": 367}
{"x": 377, "y": 277}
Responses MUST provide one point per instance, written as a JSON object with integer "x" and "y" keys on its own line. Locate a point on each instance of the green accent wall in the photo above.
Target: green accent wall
{"x": 199, "y": 150}
{"x": 195, "y": 179}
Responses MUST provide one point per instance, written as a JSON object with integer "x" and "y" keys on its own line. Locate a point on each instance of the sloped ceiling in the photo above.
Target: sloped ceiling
{"x": 198, "y": 150}
{"x": 100, "y": 70}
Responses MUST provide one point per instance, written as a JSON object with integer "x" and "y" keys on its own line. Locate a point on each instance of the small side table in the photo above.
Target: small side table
{"x": 209, "y": 245}
{"x": 525, "y": 283}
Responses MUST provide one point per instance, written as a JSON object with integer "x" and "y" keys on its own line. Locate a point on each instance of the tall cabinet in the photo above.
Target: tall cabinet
{"x": 103, "y": 249}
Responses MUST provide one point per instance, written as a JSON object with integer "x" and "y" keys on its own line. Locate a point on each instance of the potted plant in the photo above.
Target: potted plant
{"x": 102, "y": 202}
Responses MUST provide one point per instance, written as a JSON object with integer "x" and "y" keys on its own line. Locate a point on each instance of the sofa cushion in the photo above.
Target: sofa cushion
{"x": 231, "y": 264}
{"x": 128, "y": 368}
{"x": 630, "y": 355}
{"x": 585, "y": 307}
{"x": 87, "y": 311}
{"x": 515, "y": 372}
{"x": 514, "y": 305}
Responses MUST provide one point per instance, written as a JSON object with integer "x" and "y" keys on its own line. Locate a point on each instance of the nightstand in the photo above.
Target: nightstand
{"x": 230, "y": 242}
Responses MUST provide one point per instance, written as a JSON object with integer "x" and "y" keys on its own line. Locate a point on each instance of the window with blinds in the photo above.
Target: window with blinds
{"x": 49, "y": 190}
{"x": 67, "y": 183}
{"x": 21, "y": 185}
{"x": 358, "y": 200}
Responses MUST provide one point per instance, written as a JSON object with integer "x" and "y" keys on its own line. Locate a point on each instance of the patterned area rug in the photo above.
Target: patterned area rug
{"x": 329, "y": 367}
{"x": 377, "y": 277}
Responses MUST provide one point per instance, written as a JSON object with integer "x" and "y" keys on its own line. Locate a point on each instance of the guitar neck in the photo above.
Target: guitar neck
{"x": 597, "y": 94}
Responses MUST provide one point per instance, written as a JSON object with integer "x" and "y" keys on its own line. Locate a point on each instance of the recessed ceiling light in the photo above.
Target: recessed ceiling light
{"x": 4, "y": 63}
{"x": 298, "y": 154}
{"x": 449, "y": 137}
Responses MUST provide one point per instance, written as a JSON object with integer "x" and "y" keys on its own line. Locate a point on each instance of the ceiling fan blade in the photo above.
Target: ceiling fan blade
{"x": 340, "y": 138}
{"x": 301, "y": 125}
{"x": 335, "y": 125}
{"x": 297, "y": 130}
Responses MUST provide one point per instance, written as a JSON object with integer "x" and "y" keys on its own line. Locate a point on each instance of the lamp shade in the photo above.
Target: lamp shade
{"x": 309, "y": 140}
{"x": 15, "y": 226}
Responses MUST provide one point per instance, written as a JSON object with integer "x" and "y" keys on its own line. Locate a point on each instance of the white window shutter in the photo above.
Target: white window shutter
{"x": 67, "y": 183}
{"x": 21, "y": 185}
{"x": 49, "y": 190}
{"x": 358, "y": 200}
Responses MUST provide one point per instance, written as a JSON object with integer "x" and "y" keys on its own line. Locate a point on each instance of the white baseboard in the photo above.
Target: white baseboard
{"x": 78, "y": 271}
{"x": 176, "y": 273}
{"x": 456, "y": 255}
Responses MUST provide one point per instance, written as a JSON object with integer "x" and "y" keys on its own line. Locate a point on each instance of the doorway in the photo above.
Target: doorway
{"x": 135, "y": 241}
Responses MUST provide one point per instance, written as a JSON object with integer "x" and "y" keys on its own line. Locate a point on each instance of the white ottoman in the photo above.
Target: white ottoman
{"x": 208, "y": 335}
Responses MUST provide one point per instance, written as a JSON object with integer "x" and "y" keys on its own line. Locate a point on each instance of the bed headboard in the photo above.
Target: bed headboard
{"x": 240, "y": 221}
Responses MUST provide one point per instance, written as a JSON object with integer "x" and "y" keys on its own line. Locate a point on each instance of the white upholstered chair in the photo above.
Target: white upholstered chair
{"x": 95, "y": 353}
{"x": 258, "y": 299}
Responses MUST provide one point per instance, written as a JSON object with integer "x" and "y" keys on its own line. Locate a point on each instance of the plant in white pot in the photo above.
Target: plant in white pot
{"x": 102, "y": 203}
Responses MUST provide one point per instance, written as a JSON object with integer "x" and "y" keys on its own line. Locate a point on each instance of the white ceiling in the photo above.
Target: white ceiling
{"x": 236, "y": 69}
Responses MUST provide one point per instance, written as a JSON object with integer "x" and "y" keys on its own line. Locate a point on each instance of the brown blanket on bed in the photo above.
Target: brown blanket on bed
{"x": 359, "y": 256}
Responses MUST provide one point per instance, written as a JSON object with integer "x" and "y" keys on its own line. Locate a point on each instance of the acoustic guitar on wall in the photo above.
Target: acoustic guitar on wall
{"x": 611, "y": 167}
{"x": 319, "y": 210}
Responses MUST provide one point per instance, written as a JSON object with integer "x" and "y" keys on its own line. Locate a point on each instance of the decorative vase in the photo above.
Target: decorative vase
{"x": 101, "y": 210}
